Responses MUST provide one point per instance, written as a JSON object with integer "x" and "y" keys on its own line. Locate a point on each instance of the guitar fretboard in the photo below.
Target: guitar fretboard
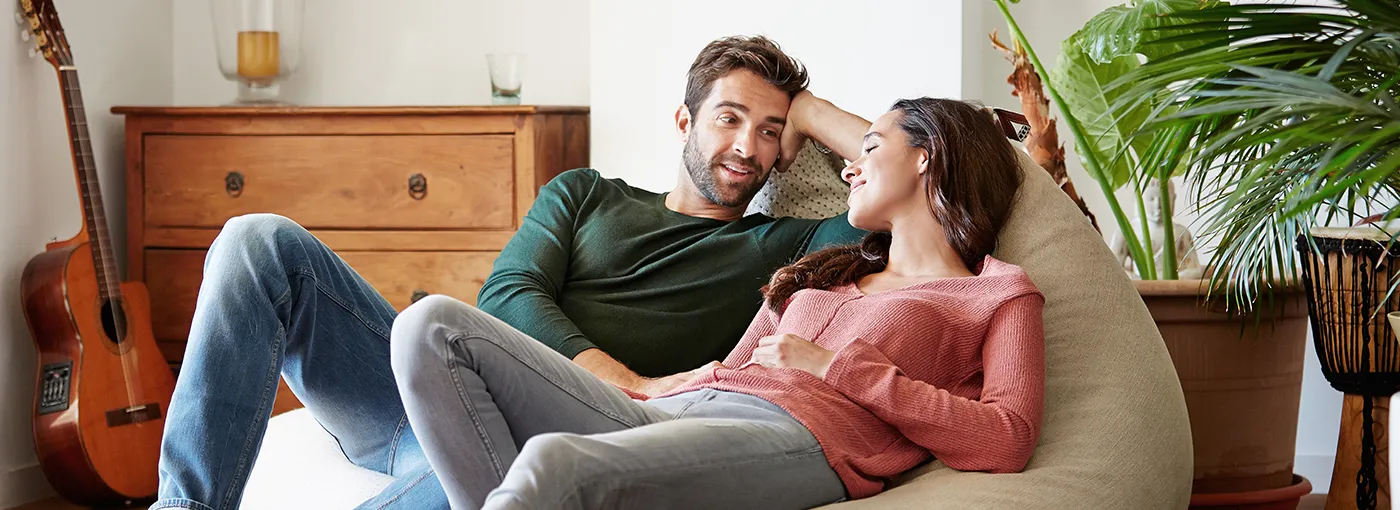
{"x": 94, "y": 215}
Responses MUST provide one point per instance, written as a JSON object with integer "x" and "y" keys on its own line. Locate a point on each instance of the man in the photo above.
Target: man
{"x": 636, "y": 287}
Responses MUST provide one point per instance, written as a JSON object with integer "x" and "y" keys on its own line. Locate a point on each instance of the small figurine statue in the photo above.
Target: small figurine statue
{"x": 1188, "y": 265}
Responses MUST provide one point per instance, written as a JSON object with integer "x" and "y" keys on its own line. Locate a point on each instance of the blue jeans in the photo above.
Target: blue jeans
{"x": 511, "y": 424}
{"x": 275, "y": 301}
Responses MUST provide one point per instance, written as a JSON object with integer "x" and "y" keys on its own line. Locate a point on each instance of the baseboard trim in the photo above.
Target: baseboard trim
{"x": 1317, "y": 469}
{"x": 23, "y": 485}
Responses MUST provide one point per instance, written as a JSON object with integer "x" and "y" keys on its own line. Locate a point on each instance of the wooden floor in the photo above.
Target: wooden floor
{"x": 1310, "y": 502}
{"x": 50, "y": 504}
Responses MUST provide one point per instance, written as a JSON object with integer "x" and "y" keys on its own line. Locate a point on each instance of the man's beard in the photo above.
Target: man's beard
{"x": 703, "y": 174}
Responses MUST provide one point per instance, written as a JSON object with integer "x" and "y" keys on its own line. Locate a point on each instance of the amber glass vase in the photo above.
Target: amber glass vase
{"x": 258, "y": 44}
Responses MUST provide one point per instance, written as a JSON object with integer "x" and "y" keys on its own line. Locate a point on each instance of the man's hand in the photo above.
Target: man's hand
{"x": 615, "y": 373}
{"x": 653, "y": 387}
{"x": 812, "y": 117}
{"x": 792, "y": 351}
{"x": 795, "y": 132}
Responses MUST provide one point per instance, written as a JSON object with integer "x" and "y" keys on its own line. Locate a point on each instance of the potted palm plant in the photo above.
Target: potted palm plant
{"x": 1277, "y": 115}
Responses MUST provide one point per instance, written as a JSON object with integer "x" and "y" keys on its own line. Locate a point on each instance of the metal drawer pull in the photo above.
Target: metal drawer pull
{"x": 233, "y": 184}
{"x": 417, "y": 186}
{"x": 418, "y": 294}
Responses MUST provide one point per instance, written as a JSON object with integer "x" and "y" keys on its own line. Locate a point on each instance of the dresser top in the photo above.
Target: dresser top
{"x": 270, "y": 111}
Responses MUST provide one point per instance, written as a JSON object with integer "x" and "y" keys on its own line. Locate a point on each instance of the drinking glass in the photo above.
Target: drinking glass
{"x": 505, "y": 71}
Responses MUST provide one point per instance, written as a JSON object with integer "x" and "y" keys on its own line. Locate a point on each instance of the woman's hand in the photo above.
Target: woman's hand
{"x": 792, "y": 351}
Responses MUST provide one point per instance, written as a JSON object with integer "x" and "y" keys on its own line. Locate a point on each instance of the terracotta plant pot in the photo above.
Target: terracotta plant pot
{"x": 1284, "y": 498}
{"x": 1242, "y": 383}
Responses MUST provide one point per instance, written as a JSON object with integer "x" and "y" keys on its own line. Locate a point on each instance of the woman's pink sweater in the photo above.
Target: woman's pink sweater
{"x": 953, "y": 368}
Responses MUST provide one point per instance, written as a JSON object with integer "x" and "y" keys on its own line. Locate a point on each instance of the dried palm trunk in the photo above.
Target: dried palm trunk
{"x": 1043, "y": 143}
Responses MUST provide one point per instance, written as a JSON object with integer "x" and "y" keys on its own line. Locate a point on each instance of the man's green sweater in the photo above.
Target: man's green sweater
{"x": 598, "y": 263}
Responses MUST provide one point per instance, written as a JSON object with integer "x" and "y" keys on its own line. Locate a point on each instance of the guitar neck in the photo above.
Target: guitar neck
{"x": 90, "y": 192}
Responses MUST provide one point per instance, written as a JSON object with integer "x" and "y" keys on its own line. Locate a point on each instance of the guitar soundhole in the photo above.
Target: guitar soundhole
{"x": 113, "y": 328}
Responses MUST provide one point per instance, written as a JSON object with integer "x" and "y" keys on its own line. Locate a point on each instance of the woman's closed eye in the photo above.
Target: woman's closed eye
{"x": 867, "y": 150}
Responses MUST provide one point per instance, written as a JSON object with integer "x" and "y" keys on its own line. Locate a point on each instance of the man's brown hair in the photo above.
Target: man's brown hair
{"x": 757, "y": 54}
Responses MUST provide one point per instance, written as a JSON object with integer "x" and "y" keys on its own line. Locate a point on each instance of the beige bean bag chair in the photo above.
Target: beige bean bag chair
{"x": 1115, "y": 434}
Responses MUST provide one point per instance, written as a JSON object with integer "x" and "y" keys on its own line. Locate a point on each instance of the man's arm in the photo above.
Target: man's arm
{"x": 614, "y": 372}
{"x": 529, "y": 275}
{"x": 608, "y": 369}
{"x": 819, "y": 119}
{"x": 842, "y": 132}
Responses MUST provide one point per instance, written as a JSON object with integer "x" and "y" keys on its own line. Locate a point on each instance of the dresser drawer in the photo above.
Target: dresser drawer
{"x": 332, "y": 182}
{"x": 398, "y": 275}
{"x": 173, "y": 278}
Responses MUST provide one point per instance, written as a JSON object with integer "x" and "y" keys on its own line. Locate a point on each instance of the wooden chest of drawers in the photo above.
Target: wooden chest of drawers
{"x": 417, "y": 200}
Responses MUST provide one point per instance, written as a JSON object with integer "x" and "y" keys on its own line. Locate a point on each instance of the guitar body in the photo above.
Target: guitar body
{"x": 96, "y": 450}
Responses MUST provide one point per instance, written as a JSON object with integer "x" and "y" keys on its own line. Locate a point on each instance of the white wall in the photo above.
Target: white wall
{"x": 122, "y": 50}
{"x": 1045, "y": 25}
{"x": 862, "y": 56}
{"x": 408, "y": 52}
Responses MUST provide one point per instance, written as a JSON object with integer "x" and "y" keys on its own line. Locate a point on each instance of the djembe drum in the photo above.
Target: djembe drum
{"x": 1347, "y": 278}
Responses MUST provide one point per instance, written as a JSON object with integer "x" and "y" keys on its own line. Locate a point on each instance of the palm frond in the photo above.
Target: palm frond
{"x": 1292, "y": 116}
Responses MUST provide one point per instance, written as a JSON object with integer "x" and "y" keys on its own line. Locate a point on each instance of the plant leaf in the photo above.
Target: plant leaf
{"x": 1112, "y": 33}
{"x": 1299, "y": 124}
{"x": 1083, "y": 84}
{"x": 1128, "y": 30}
{"x": 1160, "y": 24}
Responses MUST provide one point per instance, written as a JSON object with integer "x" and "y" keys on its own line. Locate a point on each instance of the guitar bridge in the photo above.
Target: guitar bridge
{"x": 134, "y": 414}
{"x": 54, "y": 385}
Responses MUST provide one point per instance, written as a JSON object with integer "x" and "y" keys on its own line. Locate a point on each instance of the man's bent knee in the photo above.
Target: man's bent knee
{"x": 259, "y": 234}
{"x": 258, "y": 226}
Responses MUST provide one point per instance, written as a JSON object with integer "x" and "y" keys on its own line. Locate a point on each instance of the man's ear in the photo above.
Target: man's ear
{"x": 683, "y": 122}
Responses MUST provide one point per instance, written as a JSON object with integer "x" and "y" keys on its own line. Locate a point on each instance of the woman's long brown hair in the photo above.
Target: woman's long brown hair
{"x": 971, "y": 180}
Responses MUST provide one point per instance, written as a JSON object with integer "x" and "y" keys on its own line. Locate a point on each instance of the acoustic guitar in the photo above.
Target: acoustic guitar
{"x": 102, "y": 387}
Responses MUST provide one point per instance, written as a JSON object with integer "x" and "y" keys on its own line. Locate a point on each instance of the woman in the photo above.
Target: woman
{"x": 865, "y": 362}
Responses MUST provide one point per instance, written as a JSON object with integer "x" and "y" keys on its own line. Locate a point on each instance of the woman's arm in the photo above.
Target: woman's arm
{"x": 996, "y": 433}
{"x": 764, "y": 324}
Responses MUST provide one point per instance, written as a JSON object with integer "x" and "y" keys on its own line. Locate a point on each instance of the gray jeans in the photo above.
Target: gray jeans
{"x": 509, "y": 423}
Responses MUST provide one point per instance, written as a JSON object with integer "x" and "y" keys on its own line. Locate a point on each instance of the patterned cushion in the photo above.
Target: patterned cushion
{"x": 810, "y": 188}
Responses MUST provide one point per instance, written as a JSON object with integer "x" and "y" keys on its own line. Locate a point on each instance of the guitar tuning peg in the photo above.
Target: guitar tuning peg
{"x": 33, "y": 52}
{"x": 19, "y": 20}
{"x": 24, "y": 35}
